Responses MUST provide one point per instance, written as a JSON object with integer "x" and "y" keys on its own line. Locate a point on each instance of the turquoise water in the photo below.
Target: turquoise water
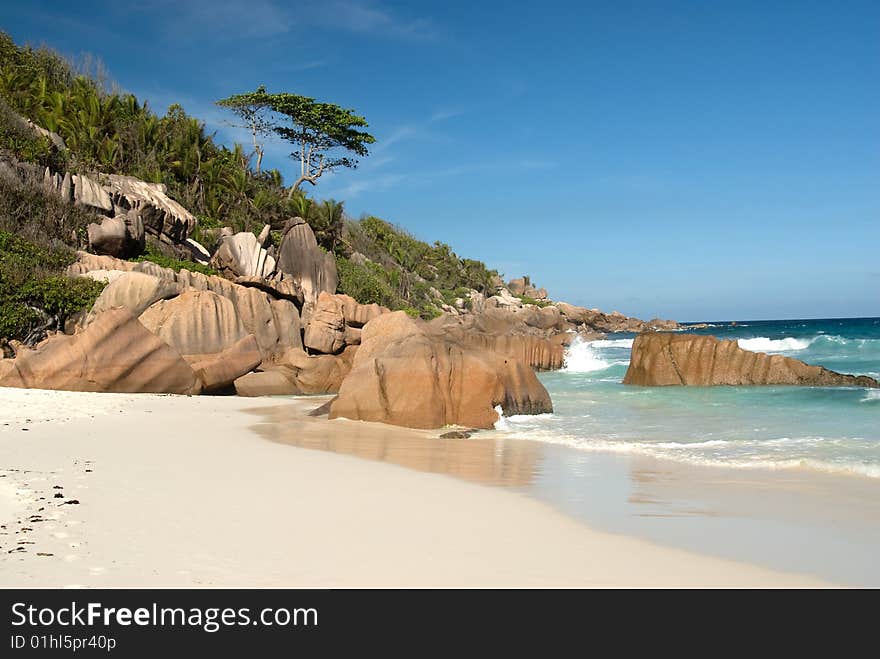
{"x": 834, "y": 430}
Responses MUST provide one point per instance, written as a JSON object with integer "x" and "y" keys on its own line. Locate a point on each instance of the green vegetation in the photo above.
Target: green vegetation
{"x": 113, "y": 132}
{"x": 150, "y": 254}
{"x": 530, "y": 300}
{"x": 32, "y": 294}
{"x": 408, "y": 268}
{"x": 318, "y": 131}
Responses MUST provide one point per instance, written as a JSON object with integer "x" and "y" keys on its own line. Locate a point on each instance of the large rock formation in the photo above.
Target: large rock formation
{"x": 115, "y": 353}
{"x": 531, "y": 335}
{"x": 523, "y": 286}
{"x": 297, "y": 373}
{"x": 162, "y": 216}
{"x": 660, "y": 359}
{"x": 243, "y": 255}
{"x": 300, "y": 258}
{"x": 135, "y": 291}
{"x": 122, "y": 236}
{"x": 222, "y": 369}
{"x": 195, "y": 322}
{"x": 274, "y": 322}
{"x": 326, "y": 329}
{"x": 404, "y": 375}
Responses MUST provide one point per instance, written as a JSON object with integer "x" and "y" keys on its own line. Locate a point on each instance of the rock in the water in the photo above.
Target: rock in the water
{"x": 133, "y": 290}
{"x": 115, "y": 353}
{"x": 242, "y": 255}
{"x": 406, "y": 376}
{"x": 195, "y": 322}
{"x": 300, "y": 258}
{"x": 660, "y": 359}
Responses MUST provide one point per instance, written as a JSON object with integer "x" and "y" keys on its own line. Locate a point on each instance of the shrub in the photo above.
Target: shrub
{"x": 31, "y": 287}
{"x": 150, "y": 254}
{"x": 367, "y": 284}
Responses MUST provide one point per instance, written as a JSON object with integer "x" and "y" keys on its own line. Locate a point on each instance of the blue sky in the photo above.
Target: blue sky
{"x": 694, "y": 160}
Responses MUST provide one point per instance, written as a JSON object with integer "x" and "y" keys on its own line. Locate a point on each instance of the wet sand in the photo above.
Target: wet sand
{"x": 178, "y": 491}
{"x": 801, "y": 520}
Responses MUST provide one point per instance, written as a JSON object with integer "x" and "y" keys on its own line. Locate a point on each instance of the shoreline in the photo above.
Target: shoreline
{"x": 806, "y": 521}
{"x": 178, "y": 491}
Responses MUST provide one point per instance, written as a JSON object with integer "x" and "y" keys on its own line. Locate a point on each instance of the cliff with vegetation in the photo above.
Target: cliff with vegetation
{"x": 139, "y": 255}
{"x": 54, "y": 118}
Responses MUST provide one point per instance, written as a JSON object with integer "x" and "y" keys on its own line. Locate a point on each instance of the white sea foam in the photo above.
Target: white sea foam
{"x": 581, "y": 357}
{"x": 695, "y": 453}
{"x": 766, "y": 344}
{"x": 871, "y": 396}
{"x": 612, "y": 343}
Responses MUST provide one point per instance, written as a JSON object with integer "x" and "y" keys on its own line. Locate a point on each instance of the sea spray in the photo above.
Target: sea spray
{"x": 833, "y": 430}
{"x": 766, "y": 344}
{"x": 580, "y": 357}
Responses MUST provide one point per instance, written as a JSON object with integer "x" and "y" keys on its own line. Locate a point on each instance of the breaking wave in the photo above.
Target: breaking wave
{"x": 766, "y": 344}
{"x": 581, "y": 357}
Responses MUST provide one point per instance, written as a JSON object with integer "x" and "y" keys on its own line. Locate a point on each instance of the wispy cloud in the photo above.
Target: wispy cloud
{"x": 248, "y": 19}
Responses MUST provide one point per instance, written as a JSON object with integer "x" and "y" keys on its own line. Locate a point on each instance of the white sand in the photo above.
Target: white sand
{"x": 182, "y": 492}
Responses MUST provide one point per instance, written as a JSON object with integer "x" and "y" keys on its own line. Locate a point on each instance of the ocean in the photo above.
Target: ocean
{"x": 831, "y": 430}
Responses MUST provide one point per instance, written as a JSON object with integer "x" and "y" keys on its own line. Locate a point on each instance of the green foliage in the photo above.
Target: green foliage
{"x": 530, "y": 300}
{"x": 153, "y": 256}
{"x": 322, "y": 133}
{"x": 22, "y": 142}
{"x": 410, "y": 268}
{"x": 31, "y": 287}
{"x": 117, "y": 134}
{"x": 367, "y": 284}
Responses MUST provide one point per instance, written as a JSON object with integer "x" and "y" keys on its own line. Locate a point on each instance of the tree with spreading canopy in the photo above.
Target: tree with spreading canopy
{"x": 255, "y": 113}
{"x": 325, "y": 136}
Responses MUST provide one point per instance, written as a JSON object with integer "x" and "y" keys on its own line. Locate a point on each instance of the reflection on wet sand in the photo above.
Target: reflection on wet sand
{"x": 486, "y": 461}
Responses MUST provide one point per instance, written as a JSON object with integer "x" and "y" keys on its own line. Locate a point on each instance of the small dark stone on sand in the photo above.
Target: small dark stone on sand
{"x": 59, "y": 495}
{"x": 72, "y": 502}
{"x": 44, "y": 553}
{"x": 455, "y": 434}
{"x": 88, "y": 471}
{"x": 57, "y": 487}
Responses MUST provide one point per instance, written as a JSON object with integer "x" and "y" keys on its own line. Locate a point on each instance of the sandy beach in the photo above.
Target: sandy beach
{"x": 107, "y": 490}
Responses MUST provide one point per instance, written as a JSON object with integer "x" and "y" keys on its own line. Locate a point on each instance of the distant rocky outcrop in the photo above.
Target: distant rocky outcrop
{"x": 615, "y": 321}
{"x": 523, "y": 286}
{"x": 404, "y": 375}
{"x": 662, "y": 359}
